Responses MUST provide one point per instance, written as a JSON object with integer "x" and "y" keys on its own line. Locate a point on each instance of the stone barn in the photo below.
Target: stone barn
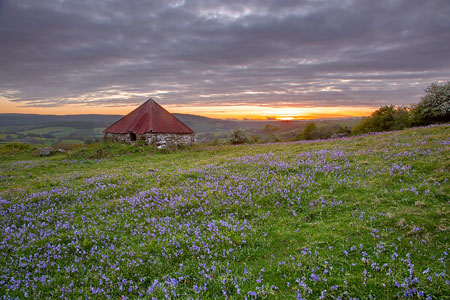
{"x": 150, "y": 123}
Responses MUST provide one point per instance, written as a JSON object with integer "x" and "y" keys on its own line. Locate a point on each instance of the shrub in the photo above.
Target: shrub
{"x": 309, "y": 133}
{"x": 385, "y": 118}
{"x": 238, "y": 137}
{"x": 254, "y": 139}
{"x": 12, "y": 148}
{"x": 314, "y": 132}
{"x": 269, "y": 134}
{"x": 323, "y": 132}
{"x": 343, "y": 131}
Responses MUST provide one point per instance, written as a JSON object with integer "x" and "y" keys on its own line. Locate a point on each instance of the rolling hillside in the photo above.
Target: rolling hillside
{"x": 52, "y": 129}
{"x": 356, "y": 218}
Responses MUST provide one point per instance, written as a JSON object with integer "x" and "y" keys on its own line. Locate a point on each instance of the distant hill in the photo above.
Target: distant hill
{"x": 32, "y": 119}
{"x": 197, "y": 123}
{"x": 51, "y": 129}
{"x": 203, "y": 124}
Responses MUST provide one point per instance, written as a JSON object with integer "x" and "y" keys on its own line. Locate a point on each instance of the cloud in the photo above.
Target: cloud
{"x": 326, "y": 53}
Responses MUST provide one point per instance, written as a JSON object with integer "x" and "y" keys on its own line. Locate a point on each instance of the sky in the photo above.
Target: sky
{"x": 283, "y": 59}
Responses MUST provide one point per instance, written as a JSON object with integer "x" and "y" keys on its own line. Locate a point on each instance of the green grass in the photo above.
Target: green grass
{"x": 55, "y": 130}
{"x": 71, "y": 141}
{"x": 364, "y": 217}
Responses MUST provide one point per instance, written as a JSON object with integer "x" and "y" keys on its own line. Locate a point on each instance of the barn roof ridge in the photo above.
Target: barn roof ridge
{"x": 149, "y": 117}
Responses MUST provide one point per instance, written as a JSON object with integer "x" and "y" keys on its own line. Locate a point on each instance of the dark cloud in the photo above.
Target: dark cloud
{"x": 55, "y": 52}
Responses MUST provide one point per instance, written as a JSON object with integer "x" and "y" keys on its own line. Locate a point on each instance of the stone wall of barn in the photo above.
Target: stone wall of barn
{"x": 161, "y": 140}
{"x": 117, "y": 137}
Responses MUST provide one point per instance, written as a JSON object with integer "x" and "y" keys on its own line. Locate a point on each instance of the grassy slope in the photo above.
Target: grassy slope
{"x": 359, "y": 217}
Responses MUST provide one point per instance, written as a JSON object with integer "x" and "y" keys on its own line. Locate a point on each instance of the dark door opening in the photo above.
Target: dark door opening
{"x": 132, "y": 136}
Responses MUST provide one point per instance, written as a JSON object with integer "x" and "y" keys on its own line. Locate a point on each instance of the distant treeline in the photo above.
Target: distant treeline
{"x": 49, "y": 130}
{"x": 434, "y": 107}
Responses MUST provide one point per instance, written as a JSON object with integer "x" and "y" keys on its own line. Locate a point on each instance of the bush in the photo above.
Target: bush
{"x": 343, "y": 131}
{"x": 214, "y": 142}
{"x": 309, "y": 133}
{"x": 16, "y": 148}
{"x": 314, "y": 132}
{"x": 238, "y": 137}
{"x": 269, "y": 134}
{"x": 323, "y": 132}
{"x": 254, "y": 139}
{"x": 434, "y": 106}
{"x": 385, "y": 118}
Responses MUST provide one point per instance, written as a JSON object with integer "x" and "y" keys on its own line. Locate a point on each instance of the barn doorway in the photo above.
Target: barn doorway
{"x": 132, "y": 137}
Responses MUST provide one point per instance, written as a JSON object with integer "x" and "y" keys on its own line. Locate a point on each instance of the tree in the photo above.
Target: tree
{"x": 385, "y": 118}
{"x": 434, "y": 107}
{"x": 270, "y": 135}
{"x": 238, "y": 137}
{"x": 270, "y": 129}
{"x": 402, "y": 118}
{"x": 309, "y": 132}
{"x": 343, "y": 130}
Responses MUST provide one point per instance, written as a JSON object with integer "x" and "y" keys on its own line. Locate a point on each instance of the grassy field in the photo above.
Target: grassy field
{"x": 55, "y": 130}
{"x": 356, "y": 218}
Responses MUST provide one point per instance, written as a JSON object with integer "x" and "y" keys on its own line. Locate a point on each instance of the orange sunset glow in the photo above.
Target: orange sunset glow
{"x": 239, "y": 112}
{"x": 271, "y": 112}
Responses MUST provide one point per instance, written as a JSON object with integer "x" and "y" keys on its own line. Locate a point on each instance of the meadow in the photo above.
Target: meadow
{"x": 354, "y": 218}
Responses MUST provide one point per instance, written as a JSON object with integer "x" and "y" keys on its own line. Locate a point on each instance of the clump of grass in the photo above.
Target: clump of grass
{"x": 13, "y": 148}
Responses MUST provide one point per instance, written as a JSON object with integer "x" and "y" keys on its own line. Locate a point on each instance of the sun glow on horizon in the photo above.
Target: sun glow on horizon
{"x": 238, "y": 112}
{"x": 285, "y": 118}
{"x": 256, "y": 112}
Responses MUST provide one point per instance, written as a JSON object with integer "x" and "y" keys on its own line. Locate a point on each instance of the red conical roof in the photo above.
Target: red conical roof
{"x": 149, "y": 117}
